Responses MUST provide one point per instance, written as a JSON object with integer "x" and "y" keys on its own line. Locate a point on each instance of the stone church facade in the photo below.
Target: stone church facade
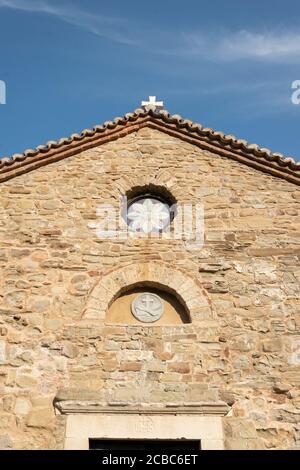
{"x": 219, "y": 362}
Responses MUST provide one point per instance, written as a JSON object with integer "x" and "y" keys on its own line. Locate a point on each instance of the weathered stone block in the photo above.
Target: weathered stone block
{"x": 272, "y": 345}
{"x": 5, "y": 442}
{"x": 244, "y": 444}
{"x": 40, "y": 418}
{"x": 69, "y": 350}
{"x": 2, "y": 352}
{"x": 239, "y": 428}
{"x": 130, "y": 366}
{"x": 180, "y": 367}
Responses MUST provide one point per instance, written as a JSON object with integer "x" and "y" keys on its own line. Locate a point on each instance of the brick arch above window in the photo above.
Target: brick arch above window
{"x": 162, "y": 183}
{"x": 182, "y": 285}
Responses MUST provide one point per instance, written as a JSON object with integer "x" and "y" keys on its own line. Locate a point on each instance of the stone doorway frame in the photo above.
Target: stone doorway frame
{"x": 201, "y": 422}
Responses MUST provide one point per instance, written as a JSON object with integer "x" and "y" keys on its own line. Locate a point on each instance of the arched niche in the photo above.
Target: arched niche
{"x": 186, "y": 292}
{"x": 120, "y": 309}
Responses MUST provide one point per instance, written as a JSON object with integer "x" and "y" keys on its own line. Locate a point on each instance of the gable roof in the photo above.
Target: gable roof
{"x": 206, "y": 138}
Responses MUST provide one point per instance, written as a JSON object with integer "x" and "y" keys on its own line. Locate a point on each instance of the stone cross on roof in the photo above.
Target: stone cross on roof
{"x": 152, "y": 103}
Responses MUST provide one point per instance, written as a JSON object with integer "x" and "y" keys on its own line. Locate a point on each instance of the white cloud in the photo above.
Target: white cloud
{"x": 262, "y": 45}
{"x": 232, "y": 46}
{"x": 99, "y": 25}
{"x": 274, "y": 45}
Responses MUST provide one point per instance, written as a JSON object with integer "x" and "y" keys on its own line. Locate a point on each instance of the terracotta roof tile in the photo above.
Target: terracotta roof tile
{"x": 229, "y": 145}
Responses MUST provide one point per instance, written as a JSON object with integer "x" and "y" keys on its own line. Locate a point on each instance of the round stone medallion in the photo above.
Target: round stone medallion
{"x": 147, "y": 307}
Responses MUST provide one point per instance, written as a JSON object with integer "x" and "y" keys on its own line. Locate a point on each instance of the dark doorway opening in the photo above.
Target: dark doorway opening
{"x": 157, "y": 445}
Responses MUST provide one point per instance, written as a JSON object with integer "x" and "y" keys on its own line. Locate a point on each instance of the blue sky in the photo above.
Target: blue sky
{"x": 229, "y": 65}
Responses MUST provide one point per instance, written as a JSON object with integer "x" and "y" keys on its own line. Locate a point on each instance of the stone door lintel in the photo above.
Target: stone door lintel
{"x": 199, "y": 421}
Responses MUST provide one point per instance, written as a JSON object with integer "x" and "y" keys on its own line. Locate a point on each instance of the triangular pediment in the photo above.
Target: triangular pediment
{"x": 227, "y": 146}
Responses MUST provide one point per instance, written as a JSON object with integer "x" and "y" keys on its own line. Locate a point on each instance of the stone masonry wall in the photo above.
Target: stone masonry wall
{"x": 244, "y": 350}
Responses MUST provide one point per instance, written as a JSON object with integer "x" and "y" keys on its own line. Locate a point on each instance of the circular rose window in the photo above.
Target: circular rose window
{"x": 148, "y": 214}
